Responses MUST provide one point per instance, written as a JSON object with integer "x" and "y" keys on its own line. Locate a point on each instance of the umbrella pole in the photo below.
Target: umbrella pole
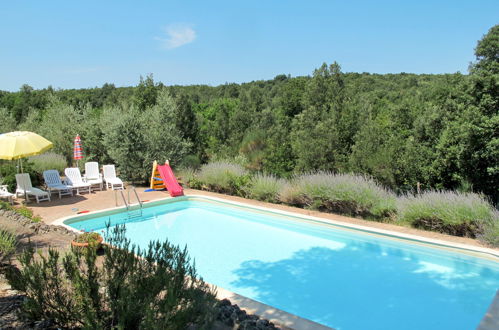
{"x": 24, "y": 188}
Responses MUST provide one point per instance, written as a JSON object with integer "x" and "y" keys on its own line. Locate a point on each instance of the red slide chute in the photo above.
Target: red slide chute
{"x": 170, "y": 181}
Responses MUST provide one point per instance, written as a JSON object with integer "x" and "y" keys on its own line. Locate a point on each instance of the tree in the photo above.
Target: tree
{"x": 216, "y": 129}
{"x": 165, "y": 140}
{"x": 23, "y": 103}
{"x": 290, "y": 96}
{"x": 124, "y": 128}
{"x": 58, "y": 123}
{"x": 315, "y": 132}
{"x": 92, "y": 136}
{"x": 185, "y": 119}
{"x": 8, "y": 122}
{"x": 146, "y": 92}
{"x": 135, "y": 138}
{"x": 480, "y": 156}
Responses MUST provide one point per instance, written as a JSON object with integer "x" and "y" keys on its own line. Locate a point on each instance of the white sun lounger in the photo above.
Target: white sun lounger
{"x": 25, "y": 188}
{"x": 4, "y": 193}
{"x": 74, "y": 180}
{"x": 54, "y": 183}
{"x": 92, "y": 175}
{"x": 110, "y": 178}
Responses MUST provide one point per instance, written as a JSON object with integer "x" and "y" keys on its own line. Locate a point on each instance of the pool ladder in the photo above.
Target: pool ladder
{"x": 131, "y": 213}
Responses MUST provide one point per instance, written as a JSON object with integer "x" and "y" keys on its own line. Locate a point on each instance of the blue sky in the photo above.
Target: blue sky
{"x": 76, "y": 44}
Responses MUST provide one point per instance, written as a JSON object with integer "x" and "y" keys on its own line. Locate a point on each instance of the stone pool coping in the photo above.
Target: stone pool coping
{"x": 279, "y": 317}
{"x": 491, "y": 319}
{"x": 51, "y": 211}
{"x": 436, "y": 243}
{"x": 275, "y": 315}
{"x": 477, "y": 251}
{"x": 394, "y": 227}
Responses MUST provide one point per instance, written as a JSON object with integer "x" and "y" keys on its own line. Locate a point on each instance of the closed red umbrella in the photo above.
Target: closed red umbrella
{"x": 77, "y": 150}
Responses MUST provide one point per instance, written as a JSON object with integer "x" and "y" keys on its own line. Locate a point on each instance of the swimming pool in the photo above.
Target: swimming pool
{"x": 346, "y": 279}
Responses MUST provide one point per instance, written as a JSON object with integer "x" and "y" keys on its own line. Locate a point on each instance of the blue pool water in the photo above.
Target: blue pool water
{"x": 340, "y": 278}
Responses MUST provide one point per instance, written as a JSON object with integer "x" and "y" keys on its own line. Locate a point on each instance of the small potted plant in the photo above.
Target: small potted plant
{"x": 90, "y": 239}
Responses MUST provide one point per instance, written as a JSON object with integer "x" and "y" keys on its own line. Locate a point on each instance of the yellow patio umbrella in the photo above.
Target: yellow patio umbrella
{"x": 17, "y": 145}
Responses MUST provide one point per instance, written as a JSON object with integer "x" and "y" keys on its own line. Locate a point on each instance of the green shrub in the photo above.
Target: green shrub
{"x": 239, "y": 184}
{"x": 191, "y": 161}
{"x": 187, "y": 176}
{"x": 92, "y": 238}
{"x": 345, "y": 194}
{"x": 265, "y": 187}
{"x": 5, "y": 205}
{"x": 290, "y": 194}
{"x": 8, "y": 244}
{"x": 155, "y": 288}
{"x": 48, "y": 161}
{"x": 490, "y": 230}
{"x": 36, "y": 219}
{"x": 223, "y": 177}
{"x": 9, "y": 169}
{"x": 22, "y": 210}
{"x": 455, "y": 213}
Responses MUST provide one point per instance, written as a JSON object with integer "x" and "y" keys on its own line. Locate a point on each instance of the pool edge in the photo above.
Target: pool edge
{"x": 481, "y": 252}
{"x": 274, "y": 315}
{"x": 490, "y": 320}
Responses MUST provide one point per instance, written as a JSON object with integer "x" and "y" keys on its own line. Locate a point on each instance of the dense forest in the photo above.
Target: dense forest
{"x": 440, "y": 131}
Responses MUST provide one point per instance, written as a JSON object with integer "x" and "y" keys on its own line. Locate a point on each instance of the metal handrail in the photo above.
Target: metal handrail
{"x": 124, "y": 200}
{"x": 137, "y": 196}
{"x": 132, "y": 188}
{"x": 128, "y": 204}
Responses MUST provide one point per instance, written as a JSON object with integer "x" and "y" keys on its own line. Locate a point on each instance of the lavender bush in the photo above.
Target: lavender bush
{"x": 265, "y": 187}
{"x": 490, "y": 230}
{"x": 186, "y": 176}
{"x": 344, "y": 193}
{"x": 455, "y": 213}
{"x": 222, "y": 176}
{"x": 290, "y": 194}
{"x": 48, "y": 161}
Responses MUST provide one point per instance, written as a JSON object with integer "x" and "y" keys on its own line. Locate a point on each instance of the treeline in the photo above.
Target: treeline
{"x": 404, "y": 130}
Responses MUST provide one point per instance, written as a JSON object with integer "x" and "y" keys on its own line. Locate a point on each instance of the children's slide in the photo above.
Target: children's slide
{"x": 169, "y": 180}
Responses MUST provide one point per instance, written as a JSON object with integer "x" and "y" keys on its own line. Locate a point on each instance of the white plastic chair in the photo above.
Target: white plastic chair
{"x": 54, "y": 183}
{"x": 110, "y": 178}
{"x": 25, "y": 188}
{"x": 92, "y": 174}
{"x": 4, "y": 193}
{"x": 74, "y": 180}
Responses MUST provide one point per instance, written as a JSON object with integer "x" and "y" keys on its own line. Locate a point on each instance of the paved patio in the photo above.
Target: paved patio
{"x": 95, "y": 201}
